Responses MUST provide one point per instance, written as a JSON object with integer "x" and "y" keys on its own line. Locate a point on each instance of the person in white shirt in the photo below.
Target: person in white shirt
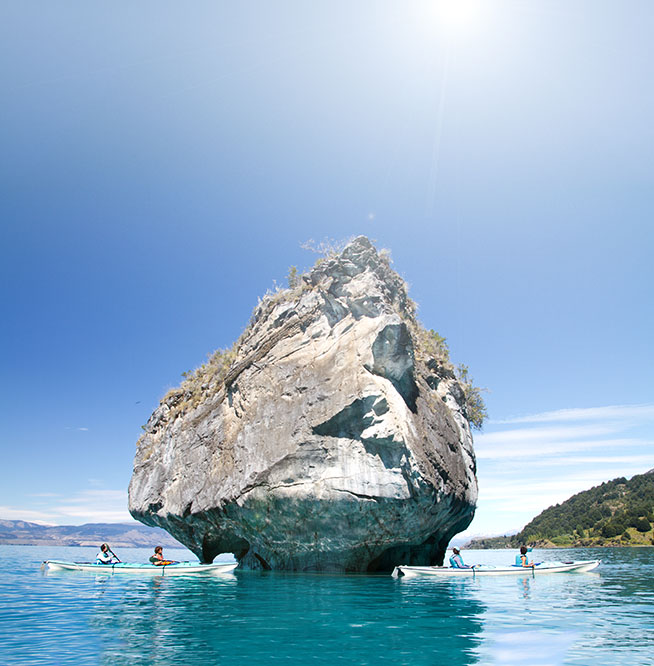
{"x": 105, "y": 556}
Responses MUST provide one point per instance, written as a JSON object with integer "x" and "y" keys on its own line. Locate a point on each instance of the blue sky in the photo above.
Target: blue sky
{"x": 162, "y": 164}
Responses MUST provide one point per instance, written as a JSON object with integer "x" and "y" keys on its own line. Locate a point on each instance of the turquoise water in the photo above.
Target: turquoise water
{"x": 249, "y": 618}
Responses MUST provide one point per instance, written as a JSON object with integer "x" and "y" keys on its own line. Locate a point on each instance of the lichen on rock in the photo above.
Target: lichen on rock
{"x": 332, "y": 437}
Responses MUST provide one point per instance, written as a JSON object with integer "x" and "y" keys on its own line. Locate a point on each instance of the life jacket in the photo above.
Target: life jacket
{"x": 456, "y": 561}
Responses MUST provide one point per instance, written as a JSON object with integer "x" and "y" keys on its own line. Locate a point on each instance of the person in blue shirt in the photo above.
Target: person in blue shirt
{"x": 522, "y": 560}
{"x": 456, "y": 561}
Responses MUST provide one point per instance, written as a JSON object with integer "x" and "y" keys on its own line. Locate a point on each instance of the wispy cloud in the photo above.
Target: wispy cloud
{"x": 550, "y": 448}
{"x": 617, "y": 459}
{"x": 95, "y": 496}
{"x": 610, "y": 412}
{"x": 93, "y": 505}
{"x": 531, "y": 462}
{"x": 29, "y": 515}
{"x": 74, "y": 516}
{"x": 546, "y": 434}
{"x": 521, "y": 490}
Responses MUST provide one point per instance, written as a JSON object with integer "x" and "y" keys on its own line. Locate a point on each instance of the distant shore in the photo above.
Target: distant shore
{"x": 510, "y": 542}
{"x": 120, "y": 535}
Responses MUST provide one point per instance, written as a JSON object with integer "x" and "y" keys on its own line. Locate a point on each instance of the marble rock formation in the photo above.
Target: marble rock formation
{"x": 326, "y": 441}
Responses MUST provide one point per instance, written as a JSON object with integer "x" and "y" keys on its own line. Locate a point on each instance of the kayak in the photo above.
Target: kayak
{"x": 176, "y": 569}
{"x": 490, "y": 570}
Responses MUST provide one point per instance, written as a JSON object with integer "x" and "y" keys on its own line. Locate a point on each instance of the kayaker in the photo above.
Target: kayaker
{"x": 158, "y": 559}
{"x": 522, "y": 560}
{"x": 456, "y": 561}
{"x": 105, "y": 556}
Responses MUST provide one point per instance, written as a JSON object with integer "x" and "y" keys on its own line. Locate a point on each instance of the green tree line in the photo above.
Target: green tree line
{"x": 617, "y": 512}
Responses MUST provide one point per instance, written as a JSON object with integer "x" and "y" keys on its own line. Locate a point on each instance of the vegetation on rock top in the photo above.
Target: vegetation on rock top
{"x": 430, "y": 348}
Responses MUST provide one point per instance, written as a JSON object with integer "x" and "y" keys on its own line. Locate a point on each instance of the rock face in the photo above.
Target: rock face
{"x": 331, "y": 442}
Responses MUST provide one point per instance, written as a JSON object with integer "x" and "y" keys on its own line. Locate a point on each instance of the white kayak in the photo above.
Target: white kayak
{"x": 490, "y": 570}
{"x": 176, "y": 569}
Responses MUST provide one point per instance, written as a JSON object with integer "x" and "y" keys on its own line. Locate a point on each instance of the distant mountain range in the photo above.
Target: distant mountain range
{"x": 615, "y": 513}
{"x": 123, "y": 535}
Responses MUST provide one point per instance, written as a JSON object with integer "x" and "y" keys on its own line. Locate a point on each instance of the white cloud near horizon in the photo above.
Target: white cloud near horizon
{"x": 639, "y": 461}
{"x": 28, "y": 515}
{"x": 529, "y": 463}
{"x": 620, "y": 412}
{"x": 525, "y": 489}
{"x": 555, "y": 448}
{"x": 546, "y": 434}
{"x": 92, "y": 505}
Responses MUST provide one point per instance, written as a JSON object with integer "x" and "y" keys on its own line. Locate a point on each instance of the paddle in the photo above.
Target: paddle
{"x": 114, "y": 554}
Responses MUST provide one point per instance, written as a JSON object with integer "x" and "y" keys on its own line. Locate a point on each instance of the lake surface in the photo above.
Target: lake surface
{"x": 249, "y": 618}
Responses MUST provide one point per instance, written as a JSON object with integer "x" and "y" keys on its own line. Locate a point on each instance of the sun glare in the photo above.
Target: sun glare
{"x": 458, "y": 15}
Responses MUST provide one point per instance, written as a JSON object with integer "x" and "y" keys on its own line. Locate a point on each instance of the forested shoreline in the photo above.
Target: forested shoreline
{"x": 616, "y": 513}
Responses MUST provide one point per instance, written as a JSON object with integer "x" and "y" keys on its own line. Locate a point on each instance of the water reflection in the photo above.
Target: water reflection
{"x": 533, "y": 647}
{"x": 263, "y": 617}
{"x": 524, "y": 582}
{"x": 101, "y": 583}
{"x": 161, "y": 620}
